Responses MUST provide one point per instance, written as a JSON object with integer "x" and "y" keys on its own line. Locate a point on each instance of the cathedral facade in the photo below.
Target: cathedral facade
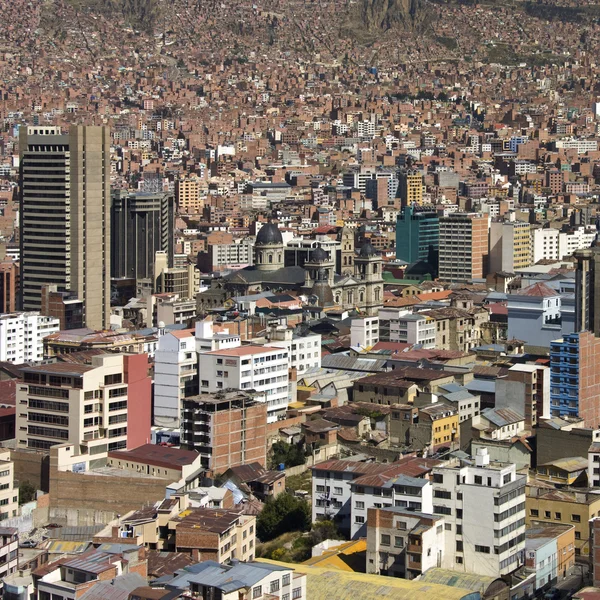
{"x": 358, "y": 284}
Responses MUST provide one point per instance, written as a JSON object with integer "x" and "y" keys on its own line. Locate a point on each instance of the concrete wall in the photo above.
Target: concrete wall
{"x": 553, "y": 444}
{"x": 31, "y": 466}
{"x": 84, "y": 491}
{"x": 320, "y": 454}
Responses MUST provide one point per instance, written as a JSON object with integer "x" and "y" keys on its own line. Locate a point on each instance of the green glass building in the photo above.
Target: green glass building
{"x": 418, "y": 235}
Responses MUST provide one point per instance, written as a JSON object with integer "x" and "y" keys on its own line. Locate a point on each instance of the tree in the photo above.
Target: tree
{"x": 287, "y": 454}
{"x": 282, "y": 514}
{"x": 27, "y": 492}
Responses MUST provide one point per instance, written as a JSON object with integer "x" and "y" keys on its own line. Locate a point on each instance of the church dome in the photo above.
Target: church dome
{"x": 269, "y": 234}
{"x": 319, "y": 255}
{"x": 367, "y": 250}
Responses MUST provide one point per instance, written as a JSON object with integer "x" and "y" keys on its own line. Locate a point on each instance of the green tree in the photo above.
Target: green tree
{"x": 27, "y": 492}
{"x": 289, "y": 455}
{"x": 282, "y": 514}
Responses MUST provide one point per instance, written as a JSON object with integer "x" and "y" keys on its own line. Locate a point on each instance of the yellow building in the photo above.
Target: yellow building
{"x": 411, "y": 188}
{"x": 442, "y": 420}
{"x": 569, "y": 506}
{"x": 187, "y": 194}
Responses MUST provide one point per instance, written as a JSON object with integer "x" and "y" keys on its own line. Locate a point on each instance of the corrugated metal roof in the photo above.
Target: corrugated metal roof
{"x": 467, "y": 581}
{"x": 325, "y": 584}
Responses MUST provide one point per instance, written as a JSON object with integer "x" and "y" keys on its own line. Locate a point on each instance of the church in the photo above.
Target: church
{"x": 358, "y": 284}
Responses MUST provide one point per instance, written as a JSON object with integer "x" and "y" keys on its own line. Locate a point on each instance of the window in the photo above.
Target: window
{"x": 442, "y": 510}
{"x": 448, "y": 526}
{"x": 274, "y": 586}
{"x": 285, "y": 580}
{"x": 385, "y": 539}
{"x": 359, "y": 519}
{"x": 558, "y": 516}
{"x": 576, "y": 518}
{"x": 506, "y": 478}
{"x": 401, "y": 525}
{"x": 547, "y": 514}
{"x": 482, "y": 549}
{"x": 438, "y": 478}
{"x": 296, "y": 593}
{"x": 577, "y": 535}
{"x": 459, "y": 560}
{"x": 459, "y": 546}
{"x": 338, "y": 491}
{"x": 534, "y": 512}
{"x": 285, "y": 597}
{"x": 478, "y": 479}
{"x": 398, "y": 541}
{"x": 442, "y": 494}
{"x": 257, "y": 591}
{"x": 359, "y": 505}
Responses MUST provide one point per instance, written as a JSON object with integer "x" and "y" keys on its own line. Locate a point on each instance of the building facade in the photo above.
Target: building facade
{"x": 65, "y": 217}
{"x": 22, "y": 336}
{"x": 463, "y": 247}
{"x": 418, "y": 235}
{"x": 99, "y": 407}
{"x": 227, "y": 428}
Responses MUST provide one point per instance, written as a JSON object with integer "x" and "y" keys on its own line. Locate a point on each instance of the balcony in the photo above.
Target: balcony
{"x": 415, "y": 548}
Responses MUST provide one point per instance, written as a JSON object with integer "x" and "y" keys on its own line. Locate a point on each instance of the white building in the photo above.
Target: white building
{"x": 403, "y": 543}
{"x": 9, "y": 496}
{"x": 364, "y": 332}
{"x": 594, "y": 460}
{"x": 544, "y": 244}
{"x": 484, "y": 505}
{"x": 176, "y": 367}
{"x": 399, "y": 325}
{"x": 386, "y": 491}
{"x": 304, "y": 351}
{"x": 22, "y": 335}
{"x": 250, "y": 367}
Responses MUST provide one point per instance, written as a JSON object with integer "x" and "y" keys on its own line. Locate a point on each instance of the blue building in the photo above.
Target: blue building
{"x": 564, "y": 376}
{"x": 418, "y": 235}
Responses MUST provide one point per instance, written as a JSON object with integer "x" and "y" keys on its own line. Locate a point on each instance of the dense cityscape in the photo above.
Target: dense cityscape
{"x": 300, "y": 300}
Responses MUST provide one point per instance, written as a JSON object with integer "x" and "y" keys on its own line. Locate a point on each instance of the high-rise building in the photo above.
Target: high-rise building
{"x": 510, "y": 246}
{"x": 575, "y": 378}
{"x": 418, "y": 235}
{"x": 141, "y": 225}
{"x": 463, "y": 247}
{"x": 587, "y": 290}
{"x": 411, "y": 187}
{"x": 9, "y": 282}
{"x": 187, "y": 192}
{"x": 65, "y": 217}
{"x": 98, "y": 407}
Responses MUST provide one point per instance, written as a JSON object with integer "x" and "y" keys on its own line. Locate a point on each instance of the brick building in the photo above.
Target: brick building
{"x": 227, "y": 428}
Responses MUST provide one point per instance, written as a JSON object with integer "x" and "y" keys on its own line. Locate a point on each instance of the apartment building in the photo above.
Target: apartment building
{"x": 403, "y": 543}
{"x": 99, "y": 407}
{"x": 364, "y": 332}
{"x": 570, "y": 506}
{"x": 303, "y": 349}
{"x": 215, "y": 534}
{"x": 484, "y": 509}
{"x": 575, "y": 378}
{"x": 385, "y": 490}
{"x": 176, "y": 367}
{"x": 9, "y": 551}
{"x": 510, "y": 246}
{"x": 239, "y": 254}
{"x": 411, "y": 188}
{"x": 22, "y": 336}
{"x": 463, "y": 247}
{"x": 187, "y": 193}
{"x": 250, "y": 367}
{"x": 9, "y": 495}
{"x": 227, "y": 428}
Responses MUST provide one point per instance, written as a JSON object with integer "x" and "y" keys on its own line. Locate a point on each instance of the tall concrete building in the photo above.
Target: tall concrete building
{"x": 464, "y": 247}
{"x": 510, "y": 246}
{"x": 141, "y": 225}
{"x": 65, "y": 217}
{"x": 411, "y": 187}
{"x": 587, "y": 290}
